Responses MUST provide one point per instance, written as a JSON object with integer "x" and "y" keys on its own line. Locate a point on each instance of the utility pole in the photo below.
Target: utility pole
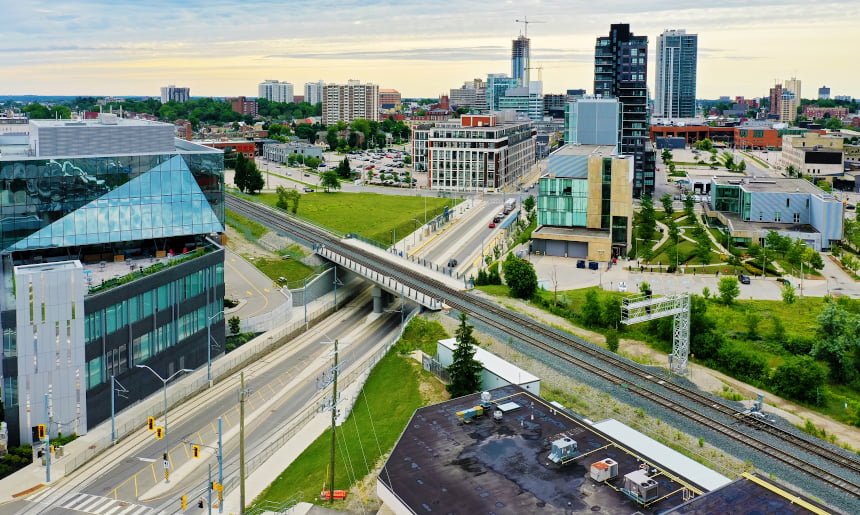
{"x": 114, "y": 391}
{"x": 242, "y": 393}
{"x": 48, "y": 440}
{"x": 220, "y": 468}
{"x": 333, "y": 423}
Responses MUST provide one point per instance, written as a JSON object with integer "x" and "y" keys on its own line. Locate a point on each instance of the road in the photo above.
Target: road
{"x": 281, "y": 388}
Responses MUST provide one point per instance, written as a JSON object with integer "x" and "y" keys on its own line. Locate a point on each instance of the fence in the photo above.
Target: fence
{"x": 78, "y": 452}
{"x": 271, "y": 320}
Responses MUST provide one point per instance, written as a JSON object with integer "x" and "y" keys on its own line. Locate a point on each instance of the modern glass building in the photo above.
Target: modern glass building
{"x": 677, "y": 54}
{"x": 620, "y": 71}
{"x": 109, "y": 258}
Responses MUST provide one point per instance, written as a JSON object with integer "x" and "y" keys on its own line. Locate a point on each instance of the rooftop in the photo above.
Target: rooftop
{"x": 772, "y": 185}
{"x": 104, "y": 119}
{"x": 587, "y": 150}
{"x": 444, "y": 465}
{"x": 749, "y": 494}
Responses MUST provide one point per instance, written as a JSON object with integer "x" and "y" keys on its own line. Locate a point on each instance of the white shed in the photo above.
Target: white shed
{"x": 497, "y": 372}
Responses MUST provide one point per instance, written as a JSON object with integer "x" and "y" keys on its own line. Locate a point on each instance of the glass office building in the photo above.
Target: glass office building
{"x": 109, "y": 258}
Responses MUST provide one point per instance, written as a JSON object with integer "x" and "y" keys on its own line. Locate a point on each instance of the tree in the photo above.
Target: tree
{"x": 328, "y": 180}
{"x": 520, "y": 277}
{"x": 728, "y": 160}
{"x": 529, "y": 203}
{"x": 331, "y": 137}
{"x": 591, "y": 309}
{"x": 689, "y": 205}
{"x": 611, "y": 312}
{"x": 254, "y": 180}
{"x": 729, "y": 289}
{"x": 666, "y": 155}
{"x": 666, "y": 200}
{"x": 705, "y": 145}
{"x": 788, "y": 295}
{"x": 464, "y": 370}
{"x": 343, "y": 170}
{"x": 288, "y": 199}
{"x": 240, "y": 175}
{"x": 837, "y": 338}
{"x": 313, "y": 162}
{"x": 612, "y": 340}
{"x": 647, "y": 218}
{"x": 234, "y": 323}
{"x": 742, "y": 166}
{"x": 800, "y": 378}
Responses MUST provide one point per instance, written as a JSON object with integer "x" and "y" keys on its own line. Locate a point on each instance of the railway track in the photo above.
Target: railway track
{"x": 715, "y": 414}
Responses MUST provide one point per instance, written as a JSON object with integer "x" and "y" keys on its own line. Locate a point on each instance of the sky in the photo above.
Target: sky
{"x": 422, "y": 49}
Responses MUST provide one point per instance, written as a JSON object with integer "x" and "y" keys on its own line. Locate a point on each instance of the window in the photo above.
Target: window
{"x": 797, "y": 218}
{"x": 777, "y": 216}
{"x": 760, "y": 216}
{"x": 787, "y": 202}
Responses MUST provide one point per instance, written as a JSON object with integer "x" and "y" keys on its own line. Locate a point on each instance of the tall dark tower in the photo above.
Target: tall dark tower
{"x": 520, "y": 50}
{"x": 620, "y": 71}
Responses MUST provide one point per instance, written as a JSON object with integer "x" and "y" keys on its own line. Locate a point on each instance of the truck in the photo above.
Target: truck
{"x": 510, "y": 204}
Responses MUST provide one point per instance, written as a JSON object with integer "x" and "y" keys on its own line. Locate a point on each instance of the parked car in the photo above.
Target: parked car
{"x": 783, "y": 280}
{"x": 744, "y": 279}
{"x": 492, "y": 224}
{"x": 309, "y": 190}
{"x": 622, "y": 286}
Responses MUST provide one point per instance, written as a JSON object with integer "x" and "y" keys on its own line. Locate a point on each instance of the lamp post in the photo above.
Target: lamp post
{"x": 164, "y": 383}
{"x": 417, "y": 221}
{"x": 209, "y": 346}
{"x": 601, "y": 252}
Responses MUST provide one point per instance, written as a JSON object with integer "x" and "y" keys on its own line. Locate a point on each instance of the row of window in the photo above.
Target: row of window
{"x": 143, "y": 347}
{"x": 137, "y": 308}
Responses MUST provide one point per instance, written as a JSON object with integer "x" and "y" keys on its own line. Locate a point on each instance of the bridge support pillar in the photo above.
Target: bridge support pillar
{"x": 378, "y": 298}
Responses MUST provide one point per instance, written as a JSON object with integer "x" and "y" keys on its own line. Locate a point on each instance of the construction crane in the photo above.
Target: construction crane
{"x": 539, "y": 68}
{"x": 525, "y": 21}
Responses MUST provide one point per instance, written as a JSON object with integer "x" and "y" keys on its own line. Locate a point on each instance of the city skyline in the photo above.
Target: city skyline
{"x": 226, "y": 48}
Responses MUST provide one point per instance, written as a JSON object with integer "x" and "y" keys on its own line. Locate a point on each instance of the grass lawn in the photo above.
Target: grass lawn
{"x": 244, "y": 225}
{"x": 395, "y": 389}
{"x": 685, "y": 248}
{"x": 290, "y": 269}
{"x": 371, "y": 215}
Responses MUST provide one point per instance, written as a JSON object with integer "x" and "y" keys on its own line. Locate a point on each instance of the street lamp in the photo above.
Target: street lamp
{"x": 164, "y": 383}
{"x": 601, "y": 252}
{"x": 209, "y": 346}
{"x": 417, "y": 221}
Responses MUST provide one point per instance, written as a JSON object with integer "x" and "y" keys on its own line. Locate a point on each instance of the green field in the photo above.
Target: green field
{"x": 372, "y": 215}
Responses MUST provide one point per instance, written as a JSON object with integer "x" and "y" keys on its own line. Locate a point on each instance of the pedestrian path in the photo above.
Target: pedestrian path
{"x": 98, "y": 505}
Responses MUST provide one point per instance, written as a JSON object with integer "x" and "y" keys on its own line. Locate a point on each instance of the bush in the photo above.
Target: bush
{"x": 741, "y": 364}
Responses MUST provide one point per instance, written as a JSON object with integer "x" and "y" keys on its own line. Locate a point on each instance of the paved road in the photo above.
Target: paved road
{"x": 246, "y": 283}
{"x": 280, "y": 387}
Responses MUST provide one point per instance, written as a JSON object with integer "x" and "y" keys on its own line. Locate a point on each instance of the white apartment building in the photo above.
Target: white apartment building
{"x": 474, "y": 153}
{"x": 314, "y": 92}
{"x": 171, "y": 92}
{"x": 350, "y": 101}
{"x": 275, "y": 91}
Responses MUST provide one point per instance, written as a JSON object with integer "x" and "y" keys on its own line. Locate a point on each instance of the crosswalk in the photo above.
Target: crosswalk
{"x": 98, "y": 505}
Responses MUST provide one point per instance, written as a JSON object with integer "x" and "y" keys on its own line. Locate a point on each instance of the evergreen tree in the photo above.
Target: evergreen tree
{"x": 240, "y": 177}
{"x": 343, "y": 170}
{"x": 647, "y": 218}
{"x": 465, "y": 371}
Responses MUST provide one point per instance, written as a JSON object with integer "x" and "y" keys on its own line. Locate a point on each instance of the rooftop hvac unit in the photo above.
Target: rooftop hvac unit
{"x": 604, "y": 470}
{"x": 563, "y": 450}
{"x": 639, "y": 486}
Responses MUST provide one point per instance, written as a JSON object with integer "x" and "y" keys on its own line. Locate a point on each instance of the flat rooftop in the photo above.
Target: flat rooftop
{"x": 443, "y": 465}
{"x": 549, "y": 232}
{"x": 97, "y": 122}
{"x": 772, "y": 185}
{"x": 587, "y": 150}
{"x": 739, "y": 224}
{"x": 749, "y": 494}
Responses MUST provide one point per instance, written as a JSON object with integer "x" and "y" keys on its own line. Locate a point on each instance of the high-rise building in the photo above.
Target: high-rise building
{"x": 244, "y": 105}
{"x": 171, "y": 92}
{"x": 109, "y": 259}
{"x": 526, "y": 101}
{"x": 620, "y": 71}
{"x": 520, "y": 60}
{"x": 675, "y": 94}
{"x": 823, "y": 93}
{"x": 275, "y": 91}
{"x": 789, "y": 100}
{"x": 775, "y": 99}
{"x": 349, "y": 102}
{"x": 314, "y": 92}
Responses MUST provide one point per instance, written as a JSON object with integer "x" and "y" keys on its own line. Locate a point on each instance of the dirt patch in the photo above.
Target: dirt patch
{"x": 237, "y": 242}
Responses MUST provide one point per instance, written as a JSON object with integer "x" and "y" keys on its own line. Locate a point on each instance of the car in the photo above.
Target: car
{"x": 492, "y": 224}
{"x": 744, "y": 279}
{"x": 849, "y": 206}
{"x": 622, "y": 286}
{"x": 309, "y": 190}
{"x": 307, "y": 175}
{"x": 783, "y": 280}
{"x": 452, "y": 263}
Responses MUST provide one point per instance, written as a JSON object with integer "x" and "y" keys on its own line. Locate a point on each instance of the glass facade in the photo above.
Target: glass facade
{"x": 82, "y": 201}
{"x": 562, "y": 202}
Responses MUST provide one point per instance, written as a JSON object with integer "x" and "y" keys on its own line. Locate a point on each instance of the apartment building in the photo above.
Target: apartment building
{"x": 350, "y": 101}
{"x": 275, "y": 91}
{"x": 474, "y": 153}
{"x": 314, "y": 92}
{"x": 173, "y": 93}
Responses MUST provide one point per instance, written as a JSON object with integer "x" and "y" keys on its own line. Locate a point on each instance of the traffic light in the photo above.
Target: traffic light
{"x": 195, "y": 451}
{"x": 150, "y": 423}
{"x": 40, "y": 431}
{"x": 159, "y": 432}
{"x": 184, "y": 502}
